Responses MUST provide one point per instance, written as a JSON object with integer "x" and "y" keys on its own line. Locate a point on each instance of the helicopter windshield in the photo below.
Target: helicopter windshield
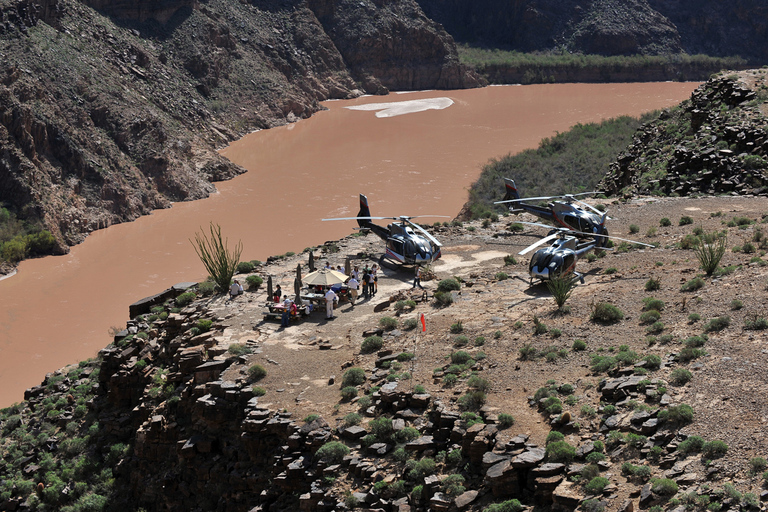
{"x": 578, "y": 223}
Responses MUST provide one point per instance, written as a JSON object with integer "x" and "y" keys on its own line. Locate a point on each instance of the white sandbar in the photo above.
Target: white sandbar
{"x": 397, "y": 108}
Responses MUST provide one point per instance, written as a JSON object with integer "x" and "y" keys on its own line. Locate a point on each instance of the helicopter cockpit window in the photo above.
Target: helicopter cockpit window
{"x": 568, "y": 261}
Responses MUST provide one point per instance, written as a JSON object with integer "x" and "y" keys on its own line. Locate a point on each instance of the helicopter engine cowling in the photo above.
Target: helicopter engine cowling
{"x": 551, "y": 263}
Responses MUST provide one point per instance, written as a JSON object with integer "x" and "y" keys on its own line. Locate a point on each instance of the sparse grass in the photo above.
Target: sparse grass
{"x": 694, "y": 284}
{"x": 606, "y": 313}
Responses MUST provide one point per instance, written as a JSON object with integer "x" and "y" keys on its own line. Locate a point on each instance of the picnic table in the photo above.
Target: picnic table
{"x": 275, "y": 311}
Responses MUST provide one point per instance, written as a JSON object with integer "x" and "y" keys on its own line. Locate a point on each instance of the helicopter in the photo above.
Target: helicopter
{"x": 570, "y": 213}
{"x": 403, "y": 243}
{"x": 559, "y": 259}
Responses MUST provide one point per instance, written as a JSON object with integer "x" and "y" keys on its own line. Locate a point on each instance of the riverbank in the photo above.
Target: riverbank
{"x": 179, "y": 403}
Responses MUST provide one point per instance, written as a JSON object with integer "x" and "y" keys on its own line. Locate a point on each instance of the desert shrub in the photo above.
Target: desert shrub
{"x": 422, "y": 468}
{"x": 258, "y": 391}
{"x": 553, "y": 437}
{"x": 649, "y": 317}
{"x": 690, "y": 353}
{"x": 587, "y": 411}
{"x": 664, "y": 222}
{"x": 527, "y": 352}
{"x": 717, "y": 324}
{"x": 254, "y": 282}
{"x": 510, "y": 260}
{"x": 239, "y": 349}
{"x": 655, "y": 328}
{"x": 457, "y": 327}
{"x": 677, "y": 414}
{"x": 756, "y": 323}
{"x": 348, "y": 392}
{"x": 353, "y": 377}
{"x": 714, "y": 449}
{"x": 502, "y": 276}
{"x": 371, "y": 344}
{"x": 663, "y": 487}
{"x": 448, "y": 285}
{"x": 652, "y": 284}
{"x": 206, "y": 288}
{"x": 602, "y": 364}
{"x": 694, "y": 317}
{"x": 505, "y": 506}
{"x": 406, "y": 435}
{"x": 650, "y": 304}
{"x": 410, "y": 323}
{"x": 185, "y": 299}
{"x": 479, "y": 341}
{"x": 694, "y": 284}
{"x": 443, "y": 298}
{"x": 578, "y": 345}
{"x": 709, "y": 250}
{"x": 506, "y": 420}
{"x": 594, "y": 457}
{"x": 219, "y": 261}
{"x": 561, "y": 289}
{"x": 685, "y": 220}
{"x": 332, "y": 452}
{"x": 634, "y": 228}
{"x": 606, "y": 313}
{"x": 472, "y": 400}
{"x": 388, "y": 323}
{"x": 691, "y": 445}
{"x": 610, "y": 270}
{"x": 757, "y": 465}
{"x": 245, "y": 267}
{"x": 596, "y": 485}
{"x": 405, "y": 356}
{"x": 553, "y": 405}
{"x": 478, "y": 383}
{"x": 450, "y": 380}
{"x": 256, "y": 372}
{"x": 560, "y": 451}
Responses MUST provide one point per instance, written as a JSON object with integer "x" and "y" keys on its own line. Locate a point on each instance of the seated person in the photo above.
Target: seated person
{"x": 235, "y": 289}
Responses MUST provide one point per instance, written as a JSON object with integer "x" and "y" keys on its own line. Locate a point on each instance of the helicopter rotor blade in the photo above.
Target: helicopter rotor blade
{"x": 360, "y": 218}
{"x": 426, "y": 233}
{"x": 598, "y": 212}
{"x": 540, "y": 242}
{"x": 525, "y": 199}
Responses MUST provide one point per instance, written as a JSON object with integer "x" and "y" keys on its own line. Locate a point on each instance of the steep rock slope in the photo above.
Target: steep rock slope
{"x": 714, "y": 143}
{"x": 106, "y": 115}
{"x": 609, "y": 27}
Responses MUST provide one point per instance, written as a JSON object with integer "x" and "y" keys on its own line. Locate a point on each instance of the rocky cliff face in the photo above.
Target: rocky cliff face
{"x": 111, "y": 109}
{"x": 715, "y": 143}
{"x": 609, "y": 27}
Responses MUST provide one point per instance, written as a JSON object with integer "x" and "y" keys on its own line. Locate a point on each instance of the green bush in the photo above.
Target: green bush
{"x": 332, "y": 452}
{"x": 527, "y": 352}
{"x": 406, "y": 435}
{"x": 371, "y": 344}
{"x": 410, "y": 323}
{"x": 553, "y": 437}
{"x": 258, "y": 391}
{"x": 244, "y": 267}
{"x": 652, "y": 284}
{"x": 561, "y": 289}
{"x": 663, "y": 487}
{"x": 457, "y": 328}
{"x": 676, "y": 414}
{"x": 348, "y": 393}
{"x": 693, "y": 444}
{"x": 685, "y": 220}
{"x": 502, "y": 276}
{"x": 594, "y": 457}
{"x": 694, "y": 284}
{"x": 606, "y": 313}
{"x": 185, "y": 299}
{"x": 709, "y": 250}
{"x": 388, "y": 323}
{"x": 448, "y": 285}
{"x": 602, "y": 364}
{"x": 652, "y": 362}
{"x": 717, "y": 324}
{"x": 256, "y": 372}
{"x": 460, "y": 357}
{"x": 505, "y": 506}
{"x": 664, "y": 222}
{"x": 353, "y": 377}
{"x": 649, "y": 317}
{"x": 650, "y": 304}
{"x": 443, "y": 298}
{"x": 506, "y": 420}
{"x": 422, "y": 468}
{"x": 680, "y": 376}
{"x": 254, "y": 282}
{"x": 756, "y": 323}
{"x": 596, "y": 485}
{"x": 714, "y": 449}
{"x": 239, "y": 349}
{"x": 560, "y": 451}
{"x": 579, "y": 345}
{"x": 473, "y": 400}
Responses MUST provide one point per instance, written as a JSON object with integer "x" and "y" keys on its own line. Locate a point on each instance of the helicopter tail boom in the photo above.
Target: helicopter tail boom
{"x": 365, "y": 223}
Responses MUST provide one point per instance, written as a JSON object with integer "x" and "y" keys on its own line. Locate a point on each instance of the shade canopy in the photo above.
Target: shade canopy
{"x": 324, "y": 277}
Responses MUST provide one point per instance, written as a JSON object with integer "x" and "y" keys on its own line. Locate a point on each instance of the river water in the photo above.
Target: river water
{"x": 58, "y": 310}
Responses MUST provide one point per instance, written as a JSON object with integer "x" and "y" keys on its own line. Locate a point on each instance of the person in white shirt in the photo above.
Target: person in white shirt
{"x": 417, "y": 278}
{"x": 235, "y": 289}
{"x": 352, "y": 284}
{"x": 286, "y": 318}
{"x": 330, "y": 297}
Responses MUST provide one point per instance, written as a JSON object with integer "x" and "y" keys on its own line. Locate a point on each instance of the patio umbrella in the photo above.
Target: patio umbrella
{"x": 297, "y": 285}
{"x": 311, "y": 261}
{"x": 269, "y": 288}
{"x": 324, "y": 277}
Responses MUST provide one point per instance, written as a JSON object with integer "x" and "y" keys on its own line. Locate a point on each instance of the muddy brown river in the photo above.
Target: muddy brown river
{"x": 408, "y": 161}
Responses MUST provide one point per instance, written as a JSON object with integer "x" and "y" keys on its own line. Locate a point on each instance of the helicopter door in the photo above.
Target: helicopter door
{"x": 569, "y": 262}
{"x": 396, "y": 247}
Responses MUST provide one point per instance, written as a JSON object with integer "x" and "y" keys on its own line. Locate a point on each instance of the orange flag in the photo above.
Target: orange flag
{"x": 423, "y": 323}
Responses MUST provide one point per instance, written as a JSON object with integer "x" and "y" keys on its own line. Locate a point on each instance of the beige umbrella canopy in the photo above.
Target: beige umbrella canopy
{"x": 324, "y": 277}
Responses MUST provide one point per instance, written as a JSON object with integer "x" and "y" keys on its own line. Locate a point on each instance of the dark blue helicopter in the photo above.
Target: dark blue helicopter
{"x": 404, "y": 244}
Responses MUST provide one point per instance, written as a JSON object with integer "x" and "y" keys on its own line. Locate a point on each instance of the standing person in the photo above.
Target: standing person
{"x": 365, "y": 283}
{"x": 370, "y": 284}
{"x": 352, "y": 285}
{"x": 286, "y": 318}
{"x": 276, "y": 294}
{"x": 375, "y": 272}
{"x": 356, "y": 273}
{"x": 330, "y": 297}
{"x": 417, "y": 278}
